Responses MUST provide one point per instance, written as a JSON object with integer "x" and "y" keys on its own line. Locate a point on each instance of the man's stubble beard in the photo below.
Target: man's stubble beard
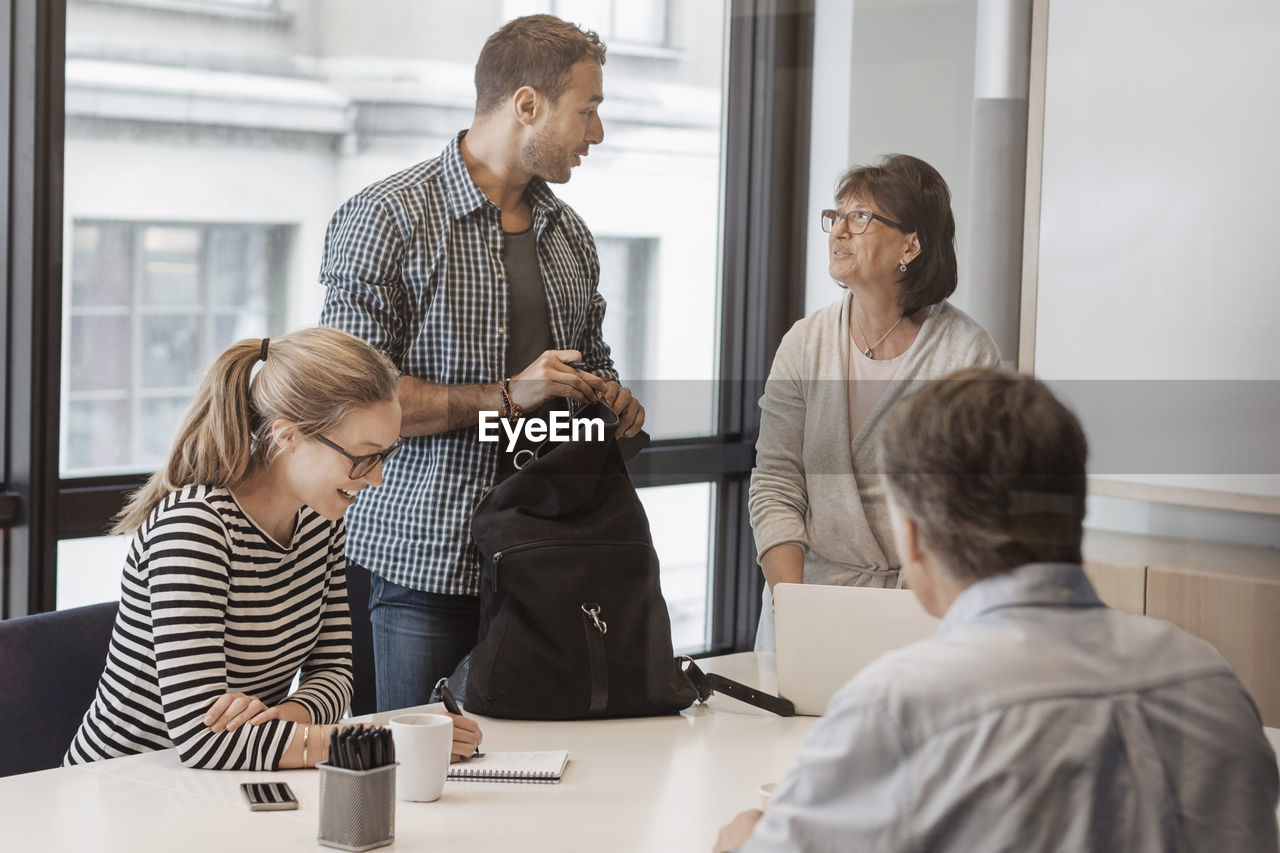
{"x": 542, "y": 161}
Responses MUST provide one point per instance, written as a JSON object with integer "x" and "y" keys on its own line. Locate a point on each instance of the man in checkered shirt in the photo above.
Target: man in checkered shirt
{"x": 481, "y": 286}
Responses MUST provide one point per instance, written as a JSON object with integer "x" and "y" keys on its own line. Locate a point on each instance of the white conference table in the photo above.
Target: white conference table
{"x": 651, "y": 784}
{"x": 654, "y": 784}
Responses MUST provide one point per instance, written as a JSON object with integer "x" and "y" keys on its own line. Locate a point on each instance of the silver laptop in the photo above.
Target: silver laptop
{"x": 826, "y": 634}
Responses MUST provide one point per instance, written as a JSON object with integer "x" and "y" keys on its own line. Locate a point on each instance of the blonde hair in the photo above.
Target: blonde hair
{"x": 312, "y": 377}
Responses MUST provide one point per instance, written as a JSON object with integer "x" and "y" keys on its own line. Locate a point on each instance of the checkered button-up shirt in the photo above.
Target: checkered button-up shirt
{"x": 413, "y": 265}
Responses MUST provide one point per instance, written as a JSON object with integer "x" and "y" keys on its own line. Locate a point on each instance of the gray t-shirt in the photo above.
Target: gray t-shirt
{"x": 528, "y": 324}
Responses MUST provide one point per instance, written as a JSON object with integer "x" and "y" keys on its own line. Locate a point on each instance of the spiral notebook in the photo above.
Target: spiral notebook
{"x": 547, "y": 766}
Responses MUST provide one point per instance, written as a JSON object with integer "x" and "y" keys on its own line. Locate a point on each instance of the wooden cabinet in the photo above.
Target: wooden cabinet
{"x": 1240, "y": 615}
{"x": 1119, "y": 585}
{"x": 1226, "y": 594}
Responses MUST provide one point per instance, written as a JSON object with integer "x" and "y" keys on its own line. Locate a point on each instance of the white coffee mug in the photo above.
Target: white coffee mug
{"x": 422, "y": 748}
{"x": 766, "y": 794}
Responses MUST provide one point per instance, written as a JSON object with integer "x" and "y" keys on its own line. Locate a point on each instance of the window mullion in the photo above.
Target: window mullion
{"x": 33, "y": 145}
{"x": 137, "y": 281}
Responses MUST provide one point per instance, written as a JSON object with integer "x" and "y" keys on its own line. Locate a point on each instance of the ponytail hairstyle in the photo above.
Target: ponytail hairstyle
{"x": 313, "y": 377}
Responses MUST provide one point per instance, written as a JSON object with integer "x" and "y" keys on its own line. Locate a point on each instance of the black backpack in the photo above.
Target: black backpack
{"x": 572, "y": 619}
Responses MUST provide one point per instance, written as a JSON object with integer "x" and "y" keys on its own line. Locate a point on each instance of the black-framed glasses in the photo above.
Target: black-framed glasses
{"x": 857, "y": 221}
{"x": 361, "y": 465}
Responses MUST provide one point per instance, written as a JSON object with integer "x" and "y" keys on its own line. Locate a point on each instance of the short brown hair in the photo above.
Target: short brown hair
{"x": 536, "y": 50}
{"x": 991, "y": 468}
{"x": 912, "y": 193}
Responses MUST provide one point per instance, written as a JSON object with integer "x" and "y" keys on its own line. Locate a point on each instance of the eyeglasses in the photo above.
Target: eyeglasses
{"x": 856, "y": 221}
{"x": 361, "y": 465}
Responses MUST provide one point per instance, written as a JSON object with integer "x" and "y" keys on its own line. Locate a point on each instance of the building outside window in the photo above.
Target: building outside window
{"x": 150, "y": 305}
{"x": 205, "y": 153}
{"x": 627, "y": 22}
{"x": 626, "y": 282}
{"x": 206, "y": 7}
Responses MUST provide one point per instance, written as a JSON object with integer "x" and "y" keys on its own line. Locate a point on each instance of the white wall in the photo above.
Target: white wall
{"x": 900, "y": 76}
{"x": 1158, "y": 194}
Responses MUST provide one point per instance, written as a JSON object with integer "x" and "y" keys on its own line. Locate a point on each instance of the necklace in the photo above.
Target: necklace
{"x": 858, "y": 323}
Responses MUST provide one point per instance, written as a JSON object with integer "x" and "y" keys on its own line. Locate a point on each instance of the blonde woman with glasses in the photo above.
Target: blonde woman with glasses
{"x": 235, "y": 579}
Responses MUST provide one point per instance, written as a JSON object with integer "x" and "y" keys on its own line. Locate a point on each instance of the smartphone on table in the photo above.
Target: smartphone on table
{"x": 268, "y": 796}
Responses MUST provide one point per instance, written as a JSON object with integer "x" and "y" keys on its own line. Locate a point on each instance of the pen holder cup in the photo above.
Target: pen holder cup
{"x": 357, "y": 807}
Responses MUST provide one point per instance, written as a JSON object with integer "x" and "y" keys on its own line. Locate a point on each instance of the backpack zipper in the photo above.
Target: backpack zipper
{"x": 597, "y": 660}
{"x": 546, "y": 543}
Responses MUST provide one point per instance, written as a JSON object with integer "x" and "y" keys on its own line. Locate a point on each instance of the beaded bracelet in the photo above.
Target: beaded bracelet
{"x": 510, "y": 408}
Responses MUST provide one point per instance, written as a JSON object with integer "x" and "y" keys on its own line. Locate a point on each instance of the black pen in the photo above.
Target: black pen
{"x": 446, "y": 696}
{"x": 366, "y": 749}
{"x": 451, "y": 705}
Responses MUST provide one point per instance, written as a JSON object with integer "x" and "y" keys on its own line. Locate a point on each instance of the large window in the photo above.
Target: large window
{"x": 180, "y": 160}
{"x": 154, "y": 294}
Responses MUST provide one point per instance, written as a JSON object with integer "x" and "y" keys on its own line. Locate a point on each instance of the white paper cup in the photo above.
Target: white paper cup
{"x": 422, "y": 748}
{"x": 766, "y": 794}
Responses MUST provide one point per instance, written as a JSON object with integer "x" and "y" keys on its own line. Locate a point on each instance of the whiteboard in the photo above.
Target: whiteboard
{"x": 1157, "y": 309}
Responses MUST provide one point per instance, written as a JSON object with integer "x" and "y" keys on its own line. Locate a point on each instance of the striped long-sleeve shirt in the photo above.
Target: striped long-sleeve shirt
{"x": 210, "y": 604}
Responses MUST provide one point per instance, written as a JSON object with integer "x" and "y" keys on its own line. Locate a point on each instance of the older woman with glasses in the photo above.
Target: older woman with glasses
{"x": 818, "y": 507}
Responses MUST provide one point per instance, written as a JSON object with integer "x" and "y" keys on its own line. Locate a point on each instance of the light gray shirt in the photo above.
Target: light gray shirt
{"x": 1036, "y": 719}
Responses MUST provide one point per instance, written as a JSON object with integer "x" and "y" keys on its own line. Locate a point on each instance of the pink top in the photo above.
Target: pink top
{"x": 868, "y": 380}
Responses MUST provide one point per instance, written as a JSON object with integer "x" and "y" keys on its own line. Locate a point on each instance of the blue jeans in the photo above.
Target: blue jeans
{"x": 418, "y": 638}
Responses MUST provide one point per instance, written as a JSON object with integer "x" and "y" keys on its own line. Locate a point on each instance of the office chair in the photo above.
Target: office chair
{"x": 364, "y": 699}
{"x": 49, "y": 669}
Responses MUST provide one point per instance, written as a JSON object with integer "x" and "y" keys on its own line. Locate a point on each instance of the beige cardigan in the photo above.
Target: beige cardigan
{"x": 806, "y": 487}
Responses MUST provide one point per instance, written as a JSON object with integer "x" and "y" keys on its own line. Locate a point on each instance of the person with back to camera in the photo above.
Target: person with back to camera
{"x": 1037, "y": 718}
{"x": 817, "y": 512}
{"x": 235, "y": 579}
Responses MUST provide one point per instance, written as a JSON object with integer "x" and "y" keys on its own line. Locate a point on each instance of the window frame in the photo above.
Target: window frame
{"x": 768, "y": 81}
{"x": 206, "y": 312}
{"x": 35, "y": 47}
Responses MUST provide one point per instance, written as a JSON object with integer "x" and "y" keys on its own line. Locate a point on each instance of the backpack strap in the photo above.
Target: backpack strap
{"x": 707, "y": 683}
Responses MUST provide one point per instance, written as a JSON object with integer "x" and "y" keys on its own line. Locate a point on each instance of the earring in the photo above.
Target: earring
{"x": 902, "y": 266}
